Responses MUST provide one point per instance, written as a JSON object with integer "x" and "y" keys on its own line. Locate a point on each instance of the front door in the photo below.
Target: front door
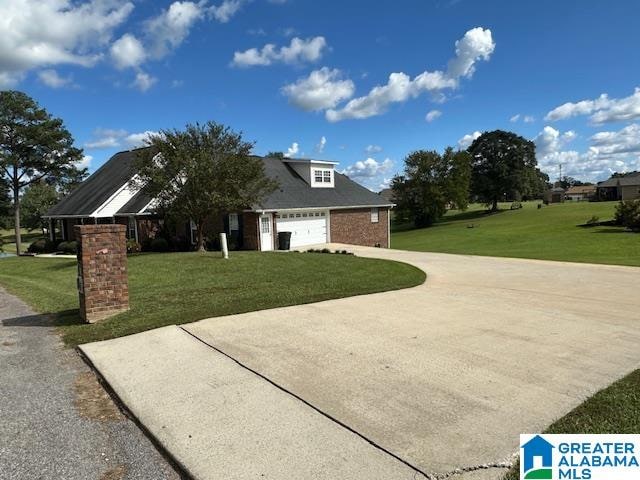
{"x": 266, "y": 232}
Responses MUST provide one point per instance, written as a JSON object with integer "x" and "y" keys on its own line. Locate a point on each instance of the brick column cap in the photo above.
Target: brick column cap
{"x": 99, "y": 228}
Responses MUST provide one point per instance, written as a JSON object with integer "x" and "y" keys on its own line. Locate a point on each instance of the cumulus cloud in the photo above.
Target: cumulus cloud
{"x": 525, "y": 118}
{"x": 432, "y": 115}
{"x": 292, "y": 150}
{"x": 127, "y": 52}
{"x": 371, "y": 149}
{"x": 600, "y": 110}
{"x": 608, "y": 152}
{"x": 170, "y": 28}
{"x": 117, "y": 138}
{"x": 226, "y": 10}
{"x": 52, "y": 79}
{"x": 477, "y": 44}
{"x": 298, "y": 51}
{"x": 45, "y": 33}
{"x": 85, "y": 162}
{"x": 321, "y": 144}
{"x": 143, "y": 81}
{"x": 322, "y": 89}
{"x": 468, "y": 139}
{"x": 368, "y": 168}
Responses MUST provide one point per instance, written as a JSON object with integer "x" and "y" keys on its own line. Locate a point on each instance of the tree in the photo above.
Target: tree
{"x": 279, "y": 155}
{"x": 5, "y": 204}
{"x": 203, "y": 171}
{"x": 36, "y": 200}
{"x": 34, "y": 146}
{"x": 429, "y": 184}
{"x": 503, "y": 164}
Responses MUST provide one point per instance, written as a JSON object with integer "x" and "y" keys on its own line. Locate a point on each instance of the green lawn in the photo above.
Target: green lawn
{"x": 616, "y": 409}
{"x": 549, "y": 233}
{"x": 176, "y": 288}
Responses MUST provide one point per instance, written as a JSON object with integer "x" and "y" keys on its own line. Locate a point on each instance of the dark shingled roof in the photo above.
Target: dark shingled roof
{"x": 293, "y": 191}
{"x": 630, "y": 179}
{"x": 97, "y": 189}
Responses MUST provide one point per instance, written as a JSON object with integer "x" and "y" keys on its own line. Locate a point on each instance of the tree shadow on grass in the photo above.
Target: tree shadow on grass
{"x": 614, "y": 230}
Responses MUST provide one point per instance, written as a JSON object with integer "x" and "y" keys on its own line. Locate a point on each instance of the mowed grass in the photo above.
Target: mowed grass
{"x": 9, "y": 239}
{"x": 176, "y": 288}
{"x": 549, "y": 233}
{"x": 616, "y": 409}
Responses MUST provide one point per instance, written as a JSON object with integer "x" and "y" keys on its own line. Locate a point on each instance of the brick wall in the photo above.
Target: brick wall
{"x": 102, "y": 271}
{"x": 354, "y": 226}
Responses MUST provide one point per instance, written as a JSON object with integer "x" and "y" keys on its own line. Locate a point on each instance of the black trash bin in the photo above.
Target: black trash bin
{"x": 284, "y": 240}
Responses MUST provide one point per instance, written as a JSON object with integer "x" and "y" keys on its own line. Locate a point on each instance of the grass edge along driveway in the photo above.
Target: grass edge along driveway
{"x": 176, "y": 288}
{"x": 615, "y": 409}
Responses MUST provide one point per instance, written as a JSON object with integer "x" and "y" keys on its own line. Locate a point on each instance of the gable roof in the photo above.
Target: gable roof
{"x": 293, "y": 190}
{"x": 630, "y": 179}
{"x": 98, "y": 188}
{"x": 581, "y": 189}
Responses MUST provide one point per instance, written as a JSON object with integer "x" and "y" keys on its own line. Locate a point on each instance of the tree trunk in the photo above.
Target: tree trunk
{"x": 494, "y": 206}
{"x": 16, "y": 208}
{"x": 201, "y": 237}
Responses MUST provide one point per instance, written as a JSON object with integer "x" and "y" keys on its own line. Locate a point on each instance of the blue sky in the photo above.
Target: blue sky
{"x": 375, "y": 80}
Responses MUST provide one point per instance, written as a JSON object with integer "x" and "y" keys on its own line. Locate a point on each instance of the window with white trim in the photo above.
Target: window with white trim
{"x": 322, "y": 177}
{"x": 265, "y": 224}
{"x": 375, "y": 215}
{"x": 326, "y": 176}
{"x": 317, "y": 176}
{"x": 131, "y": 230}
{"x": 233, "y": 222}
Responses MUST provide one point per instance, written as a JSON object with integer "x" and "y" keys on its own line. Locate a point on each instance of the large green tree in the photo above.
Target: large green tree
{"x": 5, "y": 204}
{"x": 34, "y": 146}
{"x": 36, "y": 200}
{"x": 202, "y": 171}
{"x": 504, "y": 164}
{"x": 430, "y": 184}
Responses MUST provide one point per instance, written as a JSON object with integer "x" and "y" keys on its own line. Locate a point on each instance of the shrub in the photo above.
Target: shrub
{"x": 38, "y": 246}
{"x": 133, "y": 246}
{"x": 594, "y": 220}
{"x": 70, "y": 248}
{"x": 628, "y": 214}
{"x": 159, "y": 245}
{"x": 516, "y": 206}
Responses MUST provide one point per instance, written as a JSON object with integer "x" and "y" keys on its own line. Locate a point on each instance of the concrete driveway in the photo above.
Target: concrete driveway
{"x": 437, "y": 378}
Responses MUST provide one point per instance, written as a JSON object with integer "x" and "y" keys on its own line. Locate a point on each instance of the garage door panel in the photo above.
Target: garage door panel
{"x": 307, "y": 228}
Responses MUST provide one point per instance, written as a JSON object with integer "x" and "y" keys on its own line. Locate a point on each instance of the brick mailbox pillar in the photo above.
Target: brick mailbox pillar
{"x": 102, "y": 271}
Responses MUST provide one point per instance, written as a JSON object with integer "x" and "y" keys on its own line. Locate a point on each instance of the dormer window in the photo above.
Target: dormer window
{"x": 322, "y": 177}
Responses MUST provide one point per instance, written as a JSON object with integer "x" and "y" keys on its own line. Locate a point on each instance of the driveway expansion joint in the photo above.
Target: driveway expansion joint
{"x": 321, "y": 412}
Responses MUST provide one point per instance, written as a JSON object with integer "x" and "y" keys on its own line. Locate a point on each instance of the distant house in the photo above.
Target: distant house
{"x": 313, "y": 201}
{"x": 580, "y": 193}
{"x": 554, "y": 195}
{"x": 625, "y": 187}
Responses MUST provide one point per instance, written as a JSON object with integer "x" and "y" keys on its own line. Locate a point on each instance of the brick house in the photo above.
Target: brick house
{"x": 314, "y": 202}
{"x": 621, "y": 187}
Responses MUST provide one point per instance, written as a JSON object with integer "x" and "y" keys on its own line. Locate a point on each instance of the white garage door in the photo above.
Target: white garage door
{"x": 307, "y": 228}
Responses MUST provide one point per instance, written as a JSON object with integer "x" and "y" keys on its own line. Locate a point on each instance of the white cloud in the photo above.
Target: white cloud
{"x": 298, "y": 51}
{"x": 476, "y": 44}
{"x": 321, "y": 144}
{"x": 322, "y": 89}
{"x": 127, "y": 52}
{"x": 371, "y": 149}
{"x": 52, "y": 79}
{"x": 226, "y": 10}
{"x": 608, "y": 152}
{"x": 169, "y": 29}
{"x": 601, "y": 110}
{"x": 432, "y": 115}
{"x": 368, "y": 168}
{"x": 143, "y": 81}
{"x": 46, "y": 33}
{"x": 85, "y": 162}
{"x": 468, "y": 139}
{"x": 115, "y": 138}
{"x": 525, "y": 118}
{"x": 292, "y": 150}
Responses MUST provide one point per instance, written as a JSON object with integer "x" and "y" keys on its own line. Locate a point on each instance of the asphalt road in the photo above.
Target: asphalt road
{"x": 56, "y": 420}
